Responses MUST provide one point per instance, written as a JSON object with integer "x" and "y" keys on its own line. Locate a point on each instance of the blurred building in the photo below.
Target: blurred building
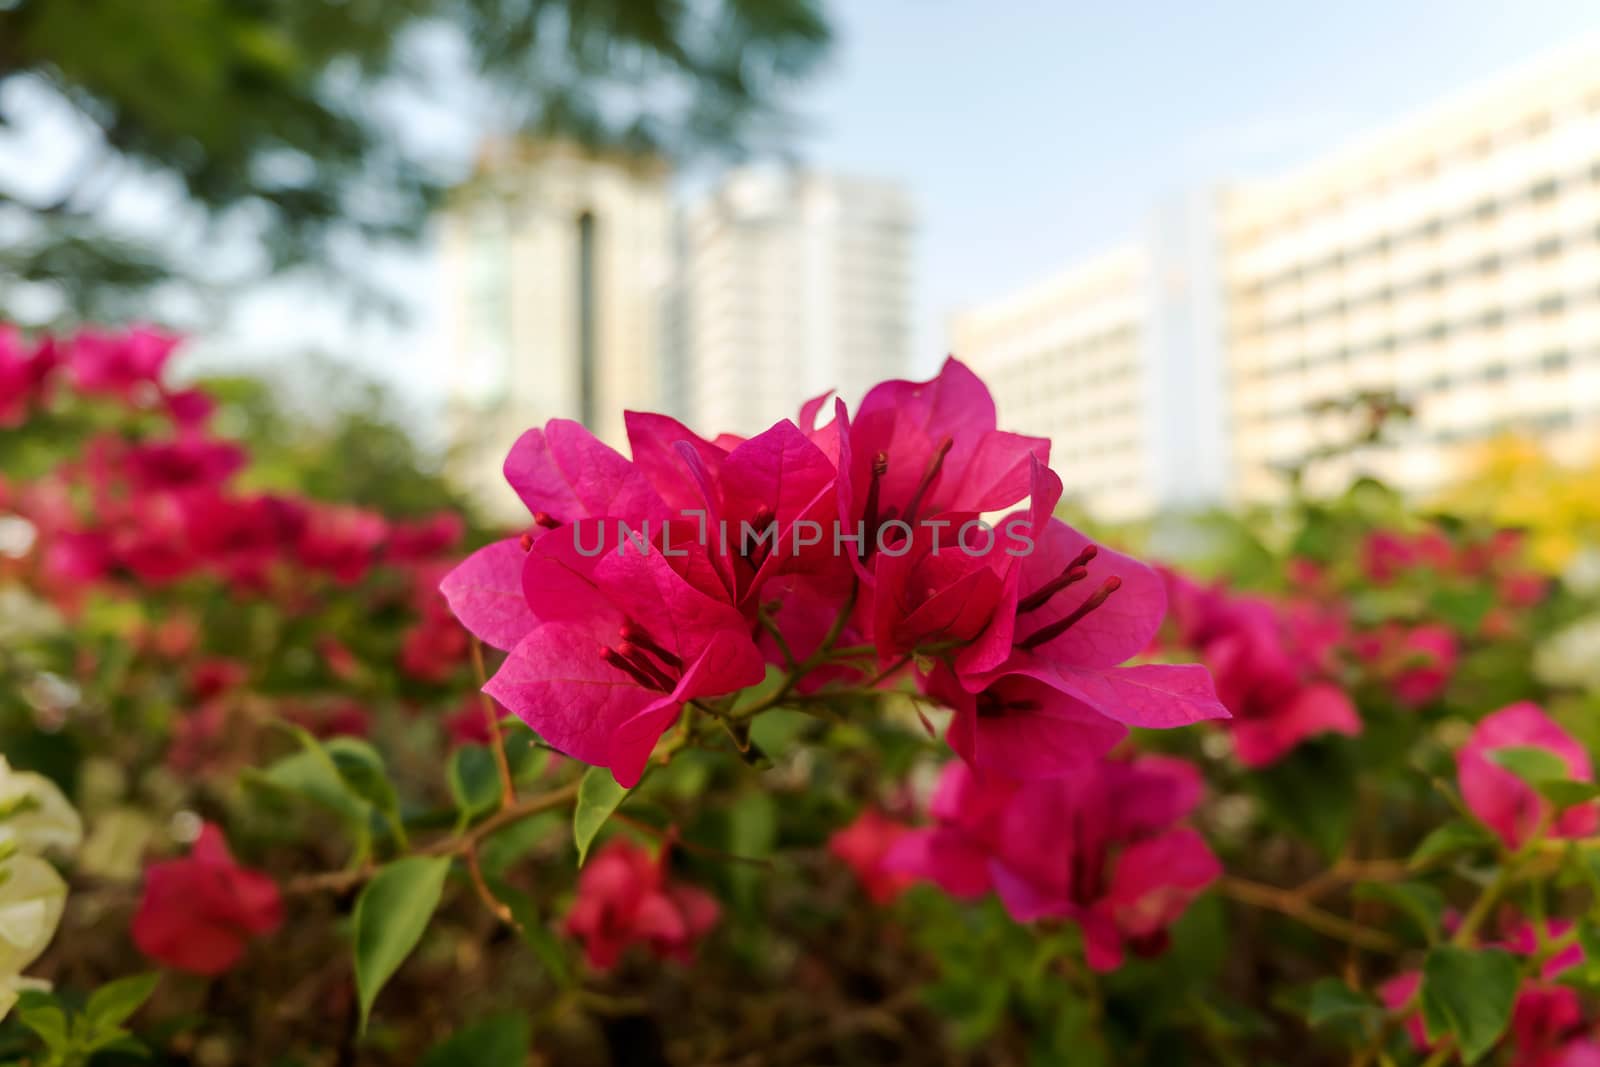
{"x": 792, "y": 283}
{"x": 1453, "y": 260}
{"x": 557, "y": 263}
{"x": 1115, "y": 360}
{"x": 1066, "y": 360}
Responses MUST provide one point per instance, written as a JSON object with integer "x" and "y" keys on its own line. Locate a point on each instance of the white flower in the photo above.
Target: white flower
{"x": 32, "y": 895}
{"x": 34, "y": 815}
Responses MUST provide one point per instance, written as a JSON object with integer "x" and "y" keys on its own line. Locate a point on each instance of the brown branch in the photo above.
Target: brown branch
{"x": 497, "y": 741}
{"x": 1289, "y": 902}
{"x": 339, "y": 881}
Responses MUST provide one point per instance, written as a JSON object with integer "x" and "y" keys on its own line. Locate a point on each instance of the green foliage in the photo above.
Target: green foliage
{"x": 474, "y": 781}
{"x": 73, "y": 1038}
{"x": 1468, "y": 995}
{"x": 598, "y": 796}
{"x": 391, "y": 916}
{"x": 279, "y": 119}
{"x": 492, "y": 1042}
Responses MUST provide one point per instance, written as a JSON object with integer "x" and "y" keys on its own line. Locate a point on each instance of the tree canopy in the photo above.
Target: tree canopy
{"x": 277, "y": 116}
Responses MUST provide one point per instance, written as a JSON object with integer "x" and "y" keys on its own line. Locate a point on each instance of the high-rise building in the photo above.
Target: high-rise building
{"x": 792, "y": 283}
{"x": 557, "y": 262}
{"x": 1065, "y": 359}
{"x": 1115, "y": 360}
{"x": 1453, "y": 261}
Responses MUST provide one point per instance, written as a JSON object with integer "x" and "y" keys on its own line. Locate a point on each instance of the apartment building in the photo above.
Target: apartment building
{"x": 557, "y": 263}
{"x": 791, "y": 283}
{"x": 1453, "y": 261}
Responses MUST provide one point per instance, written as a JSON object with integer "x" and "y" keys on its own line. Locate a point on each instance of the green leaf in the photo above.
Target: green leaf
{"x": 50, "y": 1023}
{"x": 315, "y": 777}
{"x": 474, "y": 780}
{"x": 363, "y": 773}
{"x": 1423, "y": 903}
{"x": 113, "y": 1003}
{"x": 1330, "y": 1000}
{"x": 1567, "y": 793}
{"x": 1460, "y": 835}
{"x": 598, "y": 796}
{"x": 1468, "y": 994}
{"x": 391, "y": 915}
{"x": 1532, "y": 764}
{"x": 493, "y": 1042}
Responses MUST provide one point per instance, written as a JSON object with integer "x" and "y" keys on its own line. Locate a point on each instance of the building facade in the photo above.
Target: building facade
{"x": 557, "y": 264}
{"x": 1066, "y": 359}
{"x": 791, "y": 283}
{"x": 1453, "y": 262}
{"x": 1117, "y": 361}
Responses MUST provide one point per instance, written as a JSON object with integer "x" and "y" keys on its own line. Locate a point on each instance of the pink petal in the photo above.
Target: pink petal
{"x": 1154, "y": 880}
{"x": 1117, "y": 630}
{"x": 568, "y": 473}
{"x": 555, "y": 681}
{"x": 1152, "y": 696}
{"x": 655, "y": 441}
{"x": 485, "y": 592}
{"x": 1314, "y": 710}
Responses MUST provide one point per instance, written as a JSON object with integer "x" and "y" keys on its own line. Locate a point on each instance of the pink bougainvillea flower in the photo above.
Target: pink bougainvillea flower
{"x": 670, "y": 455}
{"x": 24, "y": 376}
{"x": 766, "y": 486}
{"x": 485, "y": 593}
{"x": 1506, "y": 804}
{"x": 242, "y": 538}
{"x": 198, "y": 913}
{"x": 863, "y": 847}
{"x": 1425, "y": 661}
{"x": 1271, "y": 664}
{"x": 190, "y": 409}
{"x": 617, "y": 650}
{"x": 342, "y": 542}
{"x": 625, "y": 898}
{"x": 1118, "y": 864}
{"x": 564, "y": 473}
{"x": 930, "y": 593}
{"x": 1276, "y": 706}
{"x": 916, "y": 449}
{"x": 1019, "y": 727}
{"x": 191, "y": 461}
{"x": 423, "y": 539}
{"x": 119, "y": 364}
{"x": 1080, "y": 611}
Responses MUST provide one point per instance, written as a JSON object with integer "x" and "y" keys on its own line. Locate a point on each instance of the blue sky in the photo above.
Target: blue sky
{"x": 1032, "y": 134}
{"x": 1036, "y": 133}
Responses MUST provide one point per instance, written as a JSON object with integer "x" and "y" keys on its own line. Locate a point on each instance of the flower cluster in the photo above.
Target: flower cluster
{"x": 845, "y": 556}
{"x": 1275, "y": 666}
{"x": 625, "y": 898}
{"x": 1102, "y": 848}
